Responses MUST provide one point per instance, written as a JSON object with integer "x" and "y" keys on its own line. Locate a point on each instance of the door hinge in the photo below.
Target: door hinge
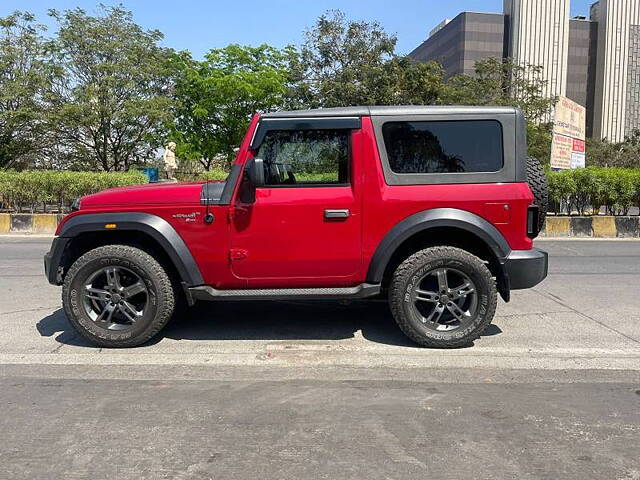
{"x": 238, "y": 254}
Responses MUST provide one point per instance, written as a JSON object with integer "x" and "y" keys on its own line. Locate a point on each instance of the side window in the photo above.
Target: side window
{"x": 444, "y": 146}
{"x": 305, "y": 157}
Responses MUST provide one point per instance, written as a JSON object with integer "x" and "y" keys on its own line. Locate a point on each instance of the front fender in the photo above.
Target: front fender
{"x": 157, "y": 228}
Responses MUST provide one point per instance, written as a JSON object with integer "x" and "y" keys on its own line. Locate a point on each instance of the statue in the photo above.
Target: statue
{"x": 170, "y": 164}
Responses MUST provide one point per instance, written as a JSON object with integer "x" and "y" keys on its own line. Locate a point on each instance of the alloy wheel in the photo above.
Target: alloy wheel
{"x": 445, "y": 299}
{"x": 115, "y": 298}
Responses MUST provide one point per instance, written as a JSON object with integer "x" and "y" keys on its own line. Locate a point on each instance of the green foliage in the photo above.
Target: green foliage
{"x": 503, "y": 82}
{"x": 344, "y": 62}
{"x": 110, "y": 96}
{"x": 539, "y": 141}
{"x": 618, "y": 190}
{"x": 32, "y": 189}
{"x": 326, "y": 177}
{"x": 624, "y": 154}
{"x": 213, "y": 174}
{"x": 102, "y": 94}
{"x": 24, "y": 76}
{"x": 215, "y": 98}
{"x": 561, "y": 187}
{"x": 587, "y": 190}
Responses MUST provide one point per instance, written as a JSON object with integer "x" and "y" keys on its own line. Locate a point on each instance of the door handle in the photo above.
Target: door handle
{"x": 336, "y": 213}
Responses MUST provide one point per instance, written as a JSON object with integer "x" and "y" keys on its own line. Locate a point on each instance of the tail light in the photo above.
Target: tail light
{"x": 533, "y": 217}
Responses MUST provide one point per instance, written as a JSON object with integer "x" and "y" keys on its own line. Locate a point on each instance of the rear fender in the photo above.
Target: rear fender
{"x": 437, "y": 218}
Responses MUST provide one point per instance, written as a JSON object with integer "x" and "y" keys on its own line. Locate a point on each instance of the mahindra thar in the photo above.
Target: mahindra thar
{"x": 432, "y": 208}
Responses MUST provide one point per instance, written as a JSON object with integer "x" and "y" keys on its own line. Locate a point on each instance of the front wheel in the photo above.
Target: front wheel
{"x": 443, "y": 297}
{"x": 117, "y": 296}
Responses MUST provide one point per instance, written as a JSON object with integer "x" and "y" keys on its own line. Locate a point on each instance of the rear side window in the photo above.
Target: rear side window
{"x": 306, "y": 157}
{"x": 457, "y": 146}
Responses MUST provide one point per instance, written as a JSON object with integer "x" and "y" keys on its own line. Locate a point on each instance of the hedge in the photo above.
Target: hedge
{"x": 585, "y": 191}
{"x": 214, "y": 174}
{"x": 33, "y": 190}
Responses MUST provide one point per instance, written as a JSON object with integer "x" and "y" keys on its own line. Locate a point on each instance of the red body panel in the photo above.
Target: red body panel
{"x": 284, "y": 235}
{"x": 283, "y": 239}
{"x": 386, "y": 205}
{"x": 151, "y": 194}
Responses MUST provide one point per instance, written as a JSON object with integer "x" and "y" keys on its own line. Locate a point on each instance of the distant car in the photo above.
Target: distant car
{"x": 434, "y": 208}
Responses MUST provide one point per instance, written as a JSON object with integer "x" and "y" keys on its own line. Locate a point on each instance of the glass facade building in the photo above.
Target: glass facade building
{"x": 595, "y": 61}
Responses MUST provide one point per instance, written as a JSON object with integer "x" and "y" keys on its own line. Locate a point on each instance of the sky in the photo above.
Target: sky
{"x": 204, "y": 24}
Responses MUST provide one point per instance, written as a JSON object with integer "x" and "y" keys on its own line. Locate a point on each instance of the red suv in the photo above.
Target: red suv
{"x": 434, "y": 208}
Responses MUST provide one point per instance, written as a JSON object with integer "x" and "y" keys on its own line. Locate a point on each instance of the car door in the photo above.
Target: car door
{"x": 303, "y": 228}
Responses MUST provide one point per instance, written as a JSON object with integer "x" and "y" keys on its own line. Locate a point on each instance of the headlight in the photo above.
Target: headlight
{"x": 75, "y": 205}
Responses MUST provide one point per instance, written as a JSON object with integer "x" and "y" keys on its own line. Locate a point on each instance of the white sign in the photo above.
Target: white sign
{"x": 569, "y": 126}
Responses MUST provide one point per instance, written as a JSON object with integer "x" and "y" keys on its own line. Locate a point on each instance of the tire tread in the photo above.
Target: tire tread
{"x": 537, "y": 180}
{"x": 146, "y": 261}
{"x": 396, "y": 294}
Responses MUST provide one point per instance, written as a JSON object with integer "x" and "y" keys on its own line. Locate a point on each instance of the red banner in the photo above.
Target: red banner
{"x": 578, "y": 145}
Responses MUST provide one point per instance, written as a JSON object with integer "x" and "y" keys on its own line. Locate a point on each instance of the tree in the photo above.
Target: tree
{"x": 413, "y": 83}
{"x": 24, "y": 75}
{"x": 503, "y": 82}
{"x": 215, "y": 98}
{"x": 341, "y": 63}
{"x": 345, "y": 63}
{"x": 603, "y": 153}
{"x": 112, "y": 97}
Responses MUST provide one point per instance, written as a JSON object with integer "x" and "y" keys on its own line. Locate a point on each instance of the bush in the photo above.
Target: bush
{"x": 39, "y": 189}
{"x": 582, "y": 191}
{"x": 589, "y": 189}
{"x": 214, "y": 174}
{"x": 562, "y": 187}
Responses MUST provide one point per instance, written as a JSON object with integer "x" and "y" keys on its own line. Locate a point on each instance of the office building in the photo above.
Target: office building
{"x": 595, "y": 61}
{"x": 617, "y": 84}
{"x": 460, "y": 42}
{"x": 538, "y": 34}
{"x": 439, "y": 27}
{"x": 581, "y": 65}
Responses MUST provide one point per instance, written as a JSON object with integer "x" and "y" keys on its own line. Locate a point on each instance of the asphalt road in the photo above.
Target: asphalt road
{"x": 328, "y": 390}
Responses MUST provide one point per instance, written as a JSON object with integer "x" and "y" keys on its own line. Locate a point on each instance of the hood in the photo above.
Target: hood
{"x": 150, "y": 194}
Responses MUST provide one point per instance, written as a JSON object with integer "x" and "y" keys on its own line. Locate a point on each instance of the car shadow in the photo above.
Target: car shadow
{"x": 268, "y": 320}
{"x": 57, "y": 325}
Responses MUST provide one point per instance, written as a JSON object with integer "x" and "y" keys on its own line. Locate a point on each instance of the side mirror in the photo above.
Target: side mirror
{"x": 255, "y": 170}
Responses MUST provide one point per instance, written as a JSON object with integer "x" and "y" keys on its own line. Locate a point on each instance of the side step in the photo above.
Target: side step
{"x": 364, "y": 290}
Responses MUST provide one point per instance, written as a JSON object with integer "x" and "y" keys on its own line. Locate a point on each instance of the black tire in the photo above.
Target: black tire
{"x": 408, "y": 275}
{"x": 159, "y": 295}
{"x": 537, "y": 181}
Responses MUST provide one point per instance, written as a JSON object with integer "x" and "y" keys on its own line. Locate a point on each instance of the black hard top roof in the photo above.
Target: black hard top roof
{"x": 390, "y": 110}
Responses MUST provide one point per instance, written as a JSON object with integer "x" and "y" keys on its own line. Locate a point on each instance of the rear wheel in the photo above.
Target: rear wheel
{"x": 443, "y": 297}
{"x": 117, "y": 296}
